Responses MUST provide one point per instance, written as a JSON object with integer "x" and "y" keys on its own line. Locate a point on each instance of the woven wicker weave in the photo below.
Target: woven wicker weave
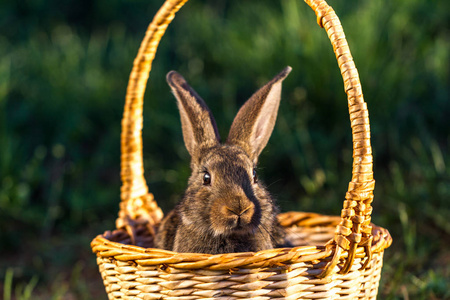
{"x": 333, "y": 258}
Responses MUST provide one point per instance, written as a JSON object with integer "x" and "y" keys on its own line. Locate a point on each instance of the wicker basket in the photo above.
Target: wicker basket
{"x": 333, "y": 258}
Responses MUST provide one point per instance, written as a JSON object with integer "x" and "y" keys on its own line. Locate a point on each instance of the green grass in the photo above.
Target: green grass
{"x": 63, "y": 73}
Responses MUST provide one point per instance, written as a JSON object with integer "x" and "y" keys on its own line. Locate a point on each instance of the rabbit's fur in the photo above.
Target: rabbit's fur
{"x": 225, "y": 208}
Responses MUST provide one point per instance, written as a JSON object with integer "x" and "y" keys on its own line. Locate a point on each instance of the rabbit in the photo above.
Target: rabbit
{"x": 225, "y": 207}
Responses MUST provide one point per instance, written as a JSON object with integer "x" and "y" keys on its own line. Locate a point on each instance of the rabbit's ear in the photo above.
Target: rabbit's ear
{"x": 254, "y": 122}
{"x": 198, "y": 125}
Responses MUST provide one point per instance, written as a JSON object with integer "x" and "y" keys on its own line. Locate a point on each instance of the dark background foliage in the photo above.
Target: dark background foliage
{"x": 64, "y": 67}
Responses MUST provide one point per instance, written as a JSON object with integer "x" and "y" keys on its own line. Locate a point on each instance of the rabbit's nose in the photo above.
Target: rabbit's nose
{"x": 241, "y": 215}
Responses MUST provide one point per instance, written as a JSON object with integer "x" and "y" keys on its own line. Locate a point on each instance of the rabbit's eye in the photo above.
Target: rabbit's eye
{"x": 255, "y": 177}
{"x": 206, "y": 179}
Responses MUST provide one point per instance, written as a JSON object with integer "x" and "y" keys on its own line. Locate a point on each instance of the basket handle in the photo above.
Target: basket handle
{"x": 137, "y": 204}
{"x": 354, "y": 229}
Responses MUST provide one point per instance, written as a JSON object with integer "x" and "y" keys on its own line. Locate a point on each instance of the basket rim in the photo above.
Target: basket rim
{"x": 105, "y": 248}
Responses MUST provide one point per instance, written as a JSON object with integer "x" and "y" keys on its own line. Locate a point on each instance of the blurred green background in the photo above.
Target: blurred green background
{"x": 64, "y": 67}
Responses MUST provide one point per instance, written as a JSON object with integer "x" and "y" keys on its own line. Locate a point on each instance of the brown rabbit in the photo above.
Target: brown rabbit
{"x": 225, "y": 208}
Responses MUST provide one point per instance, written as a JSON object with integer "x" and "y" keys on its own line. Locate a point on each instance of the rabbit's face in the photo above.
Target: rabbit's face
{"x": 224, "y": 187}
